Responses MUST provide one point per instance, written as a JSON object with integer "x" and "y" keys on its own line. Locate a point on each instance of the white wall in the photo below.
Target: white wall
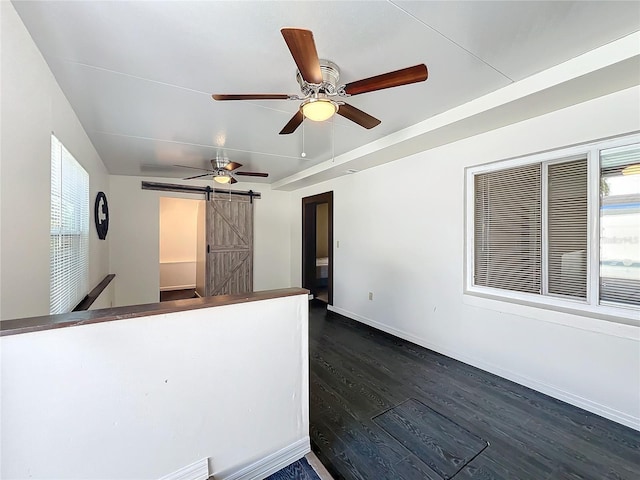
{"x": 403, "y": 240}
{"x": 178, "y": 242}
{"x": 178, "y": 229}
{"x": 141, "y": 398}
{"x": 201, "y": 249}
{"x": 32, "y": 107}
{"x": 135, "y": 254}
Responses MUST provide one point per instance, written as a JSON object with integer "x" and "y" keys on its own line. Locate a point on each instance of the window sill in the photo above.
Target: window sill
{"x": 619, "y": 322}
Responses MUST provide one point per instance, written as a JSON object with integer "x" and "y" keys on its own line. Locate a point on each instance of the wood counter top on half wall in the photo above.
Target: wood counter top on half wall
{"x": 48, "y": 322}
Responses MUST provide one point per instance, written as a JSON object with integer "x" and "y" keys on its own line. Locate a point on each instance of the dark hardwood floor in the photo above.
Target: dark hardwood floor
{"x": 170, "y": 295}
{"x": 358, "y": 374}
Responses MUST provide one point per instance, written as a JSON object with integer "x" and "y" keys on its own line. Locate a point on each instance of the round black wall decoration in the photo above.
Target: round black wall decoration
{"x": 101, "y": 215}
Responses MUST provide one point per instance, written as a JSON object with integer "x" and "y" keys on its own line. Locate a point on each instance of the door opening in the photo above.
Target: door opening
{"x": 178, "y": 253}
{"x": 206, "y": 246}
{"x": 317, "y": 246}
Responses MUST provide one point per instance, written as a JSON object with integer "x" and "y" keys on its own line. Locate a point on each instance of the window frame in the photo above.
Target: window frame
{"x": 591, "y": 306}
{"x": 544, "y": 213}
{"x": 80, "y": 234}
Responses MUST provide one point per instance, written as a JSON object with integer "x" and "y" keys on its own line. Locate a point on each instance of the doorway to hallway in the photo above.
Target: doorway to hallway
{"x": 317, "y": 246}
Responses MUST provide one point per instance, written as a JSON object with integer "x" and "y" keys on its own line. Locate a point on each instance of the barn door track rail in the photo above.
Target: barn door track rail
{"x": 175, "y": 187}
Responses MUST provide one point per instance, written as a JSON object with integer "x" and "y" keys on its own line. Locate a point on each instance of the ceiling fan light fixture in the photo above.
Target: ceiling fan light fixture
{"x": 319, "y": 109}
{"x": 222, "y": 178}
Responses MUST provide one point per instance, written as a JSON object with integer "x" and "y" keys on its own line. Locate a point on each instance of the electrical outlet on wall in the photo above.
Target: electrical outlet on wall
{"x": 370, "y": 295}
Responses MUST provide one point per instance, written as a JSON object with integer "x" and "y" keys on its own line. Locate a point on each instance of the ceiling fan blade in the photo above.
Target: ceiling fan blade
{"x": 251, "y": 96}
{"x": 252, "y": 174}
{"x": 232, "y": 166}
{"x": 198, "y": 176}
{"x": 304, "y": 53}
{"x": 233, "y": 180}
{"x": 358, "y": 116}
{"x": 194, "y": 168}
{"x": 417, "y": 73}
{"x": 294, "y": 123}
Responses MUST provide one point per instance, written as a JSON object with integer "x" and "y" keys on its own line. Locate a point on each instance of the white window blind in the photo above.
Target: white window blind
{"x": 567, "y": 228}
{"x": 69, "y": 240}
{"x": 507, "y": 229}
{"x": 620, "y": 225}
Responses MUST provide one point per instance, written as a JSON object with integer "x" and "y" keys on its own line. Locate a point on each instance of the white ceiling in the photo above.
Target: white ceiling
{"x": 140, "y": 74}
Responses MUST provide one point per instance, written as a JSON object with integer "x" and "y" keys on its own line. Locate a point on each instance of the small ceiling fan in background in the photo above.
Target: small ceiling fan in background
{"x": 318, "y": 80}
{"x": 223, "y": 171}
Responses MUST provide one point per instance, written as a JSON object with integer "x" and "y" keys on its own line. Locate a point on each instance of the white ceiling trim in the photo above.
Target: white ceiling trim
{"x": 158, "y": 82}
{"x": 425, "y": 24}
{"x": 136, "y": 77}
{"x": 177, "y": 142}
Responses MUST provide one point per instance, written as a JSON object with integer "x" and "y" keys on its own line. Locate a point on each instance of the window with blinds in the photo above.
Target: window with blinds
{"x": 620, "y": 225}
{"x": 532, "y": 223}
{"x": 69, "y": 238}
{"x": 507, "y": 229}
{"x": 567, "y": 229}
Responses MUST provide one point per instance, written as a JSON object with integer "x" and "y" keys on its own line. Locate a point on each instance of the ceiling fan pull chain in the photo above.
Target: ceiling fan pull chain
{"x": 333, "y": 139}
{"x": 303, "y": 154}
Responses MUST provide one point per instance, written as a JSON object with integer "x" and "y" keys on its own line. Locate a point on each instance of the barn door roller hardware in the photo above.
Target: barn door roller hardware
{"x": 174, "y": 187}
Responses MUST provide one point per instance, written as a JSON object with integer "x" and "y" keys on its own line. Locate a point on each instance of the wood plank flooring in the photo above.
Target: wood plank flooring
{"x": 358, "y": 373}
{"x": 170, "y": 295}
{"x": 437, "y": 441}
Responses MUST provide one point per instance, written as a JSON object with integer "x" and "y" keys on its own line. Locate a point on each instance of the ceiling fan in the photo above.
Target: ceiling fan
{"x": 223, "y": 171}
{"x": 318, "y": 80}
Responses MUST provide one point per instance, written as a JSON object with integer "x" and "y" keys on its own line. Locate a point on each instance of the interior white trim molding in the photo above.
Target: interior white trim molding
{"x": 593, "y": 407}
{"x": 196, "y": 471}
{"x": 588, "y": 321}
{"x": 269, "y": 464}
{"x": 178, "y": 287}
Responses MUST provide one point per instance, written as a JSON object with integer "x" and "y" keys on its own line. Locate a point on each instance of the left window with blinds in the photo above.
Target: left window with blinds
{"x": 69, "y": 238}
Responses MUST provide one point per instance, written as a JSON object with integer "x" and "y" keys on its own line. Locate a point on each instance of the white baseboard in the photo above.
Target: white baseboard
{"x": 268, "y": 465}
{"x": 178, "y": 275}
{"x": 196, "y": 471}
{"x": 177, "y": 287}
{"x": 585, "y": 403}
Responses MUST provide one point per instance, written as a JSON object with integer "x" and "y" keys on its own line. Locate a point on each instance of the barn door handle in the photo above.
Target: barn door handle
{"x": 208, "y": 248}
